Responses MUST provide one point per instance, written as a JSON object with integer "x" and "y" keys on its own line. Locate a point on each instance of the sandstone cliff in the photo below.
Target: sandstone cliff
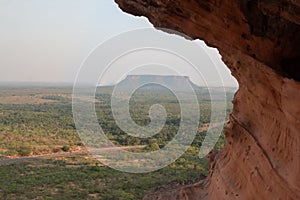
{"x": 259, "y": 42}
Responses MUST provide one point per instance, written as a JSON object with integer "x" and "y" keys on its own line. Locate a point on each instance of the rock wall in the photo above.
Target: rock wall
{"x": 259, "y": 42}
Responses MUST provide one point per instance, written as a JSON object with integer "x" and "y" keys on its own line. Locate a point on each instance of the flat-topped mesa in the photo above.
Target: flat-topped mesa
{"x": 158, "y": 78}
{"x": 177, "y": 83}
{"x": 259, "y": 42}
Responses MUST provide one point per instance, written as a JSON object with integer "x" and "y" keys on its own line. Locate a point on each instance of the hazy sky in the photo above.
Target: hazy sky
{"x": 47, "y": 40}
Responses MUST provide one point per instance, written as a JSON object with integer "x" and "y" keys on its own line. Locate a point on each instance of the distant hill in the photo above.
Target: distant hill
{"x": 179, "y": 83}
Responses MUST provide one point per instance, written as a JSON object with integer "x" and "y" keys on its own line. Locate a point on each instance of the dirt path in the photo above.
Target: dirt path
{"x": 65, "y": 154}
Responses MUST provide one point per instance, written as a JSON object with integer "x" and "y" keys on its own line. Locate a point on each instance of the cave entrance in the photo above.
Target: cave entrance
{"x": 143, "y": 56}
{"x": 155, "y": 72}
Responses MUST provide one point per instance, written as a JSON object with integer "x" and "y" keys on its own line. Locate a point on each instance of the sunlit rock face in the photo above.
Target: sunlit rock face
{"x": 259, "y": 42}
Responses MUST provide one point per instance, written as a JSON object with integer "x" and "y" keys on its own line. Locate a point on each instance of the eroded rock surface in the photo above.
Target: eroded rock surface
{"x": 259, "y": 42}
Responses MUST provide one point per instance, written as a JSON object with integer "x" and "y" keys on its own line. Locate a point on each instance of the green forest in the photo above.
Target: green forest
{"x": 39, "y": 120}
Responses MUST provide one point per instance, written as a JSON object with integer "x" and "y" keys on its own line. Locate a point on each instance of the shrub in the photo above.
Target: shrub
{"x": 79, "y": 144}
{"x": 65, "y": 148}
{"x": 11, "y": 152}
{"x": 24, "y": 150}
{"x": 55, "y": 150}
{"x": 152, "y": 147}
